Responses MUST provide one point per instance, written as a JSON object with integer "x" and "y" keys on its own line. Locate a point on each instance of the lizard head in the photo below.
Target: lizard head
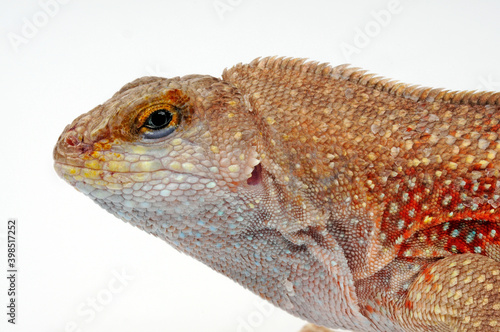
{"x": 161, "y": 149}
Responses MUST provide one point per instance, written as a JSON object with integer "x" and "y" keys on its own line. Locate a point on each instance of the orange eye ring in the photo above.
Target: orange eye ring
{"x": 158, "y": 121}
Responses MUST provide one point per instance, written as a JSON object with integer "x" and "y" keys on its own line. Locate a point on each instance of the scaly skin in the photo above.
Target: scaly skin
{"x": 348, "y": 200}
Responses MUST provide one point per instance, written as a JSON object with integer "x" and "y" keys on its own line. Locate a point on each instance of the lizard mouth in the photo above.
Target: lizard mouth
{"x": 77, "y": 173}
{"x": 138, "y": 191}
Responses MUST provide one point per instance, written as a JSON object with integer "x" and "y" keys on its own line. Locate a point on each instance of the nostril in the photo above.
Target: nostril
{"x": 72, "y": 140}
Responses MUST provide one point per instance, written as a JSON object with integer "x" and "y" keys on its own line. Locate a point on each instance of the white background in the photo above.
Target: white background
{"x": 59, "y": 62}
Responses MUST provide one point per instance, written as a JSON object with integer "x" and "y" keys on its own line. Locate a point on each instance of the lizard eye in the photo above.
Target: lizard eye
{"x": 159, "y": 123}
{"x": 158, "y": 119}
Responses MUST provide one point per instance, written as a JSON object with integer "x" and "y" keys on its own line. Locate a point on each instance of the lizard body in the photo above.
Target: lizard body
{"x": 346, "y": 199}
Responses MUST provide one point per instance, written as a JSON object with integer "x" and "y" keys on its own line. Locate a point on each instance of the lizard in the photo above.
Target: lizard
{"x": 347, "y": 199}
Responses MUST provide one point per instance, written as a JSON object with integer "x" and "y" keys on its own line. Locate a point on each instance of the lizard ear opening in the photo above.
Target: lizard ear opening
{"x": 256, "y": 176}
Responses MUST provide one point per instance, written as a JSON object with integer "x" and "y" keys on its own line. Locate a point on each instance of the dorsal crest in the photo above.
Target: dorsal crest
{"x": 369, "y": 80}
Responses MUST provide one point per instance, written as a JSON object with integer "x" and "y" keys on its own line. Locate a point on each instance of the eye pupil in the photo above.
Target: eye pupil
{"x": 158, "y": 119}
